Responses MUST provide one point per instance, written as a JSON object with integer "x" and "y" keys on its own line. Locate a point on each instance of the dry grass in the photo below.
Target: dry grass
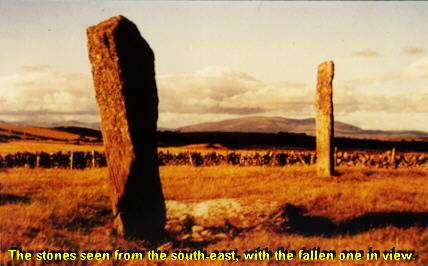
{"x": 218, "y": 148}
{"x": 355, "y": 192}
{"x": 70, "y": 209}
{"x": 41, "y": 132}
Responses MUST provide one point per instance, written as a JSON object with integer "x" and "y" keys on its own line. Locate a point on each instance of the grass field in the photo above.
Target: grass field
{"x": 43, "y": 146}
{"x": 39, "y": 131}
{"x": 70, "y": 209}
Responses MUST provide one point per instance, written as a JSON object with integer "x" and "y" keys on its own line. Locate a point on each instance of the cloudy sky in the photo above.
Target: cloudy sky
{"x": 218, "y": 60}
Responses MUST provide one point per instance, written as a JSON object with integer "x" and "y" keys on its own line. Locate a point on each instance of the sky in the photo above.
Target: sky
{"x": 220, "y": 60}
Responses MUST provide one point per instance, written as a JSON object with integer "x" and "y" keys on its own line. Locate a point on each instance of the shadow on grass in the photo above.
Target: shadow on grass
{"x": 368, "y": 221}
{"x": 12, "y": 199}
{"x": 291, "y": 219}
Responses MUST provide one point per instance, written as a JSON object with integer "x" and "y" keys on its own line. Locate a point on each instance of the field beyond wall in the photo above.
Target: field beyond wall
{"x": 64, "y": 209}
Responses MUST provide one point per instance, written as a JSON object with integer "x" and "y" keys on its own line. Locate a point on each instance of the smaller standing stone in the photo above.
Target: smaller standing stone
{"x": 325, "y": 119}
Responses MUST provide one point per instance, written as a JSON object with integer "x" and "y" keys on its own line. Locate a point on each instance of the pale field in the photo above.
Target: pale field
{"x": 41, "y": 131}
{"x": 45, "y": 146}
{"x": 70, "y": 209}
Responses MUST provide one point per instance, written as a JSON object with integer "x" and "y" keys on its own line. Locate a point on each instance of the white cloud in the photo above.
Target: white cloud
{"x": 385, "y": 120}
{"x": 38, "y": 92}
{"x": 212, "y": 94}
{"x": 418, "y": 69}
{"x": 215, "y": 92}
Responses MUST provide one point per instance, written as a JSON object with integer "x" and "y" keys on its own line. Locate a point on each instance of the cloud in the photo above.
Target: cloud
{"x": 389, "y": 104}
{"x": 411, "y": 50}
{"x": 417, "y": 69}
{"x": 35, "y": 68}
{"x": 366, "y": 53}
{"x": 386, "y": 121}
{"x": 214, "y": 92}
{"x": 40, "y": 93}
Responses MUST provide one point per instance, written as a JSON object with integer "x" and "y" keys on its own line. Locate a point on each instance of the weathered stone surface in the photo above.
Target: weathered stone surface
{"x": 124, "y": 80}
{"x": 219, "y": 213}
{"x": 217, "y": 219}
{"x": 325, "y": 119}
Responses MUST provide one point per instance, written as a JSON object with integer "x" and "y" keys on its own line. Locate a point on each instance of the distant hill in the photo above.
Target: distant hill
{"x": 252, "y": 124}
{"x": 67, "y": 123}
{"x": 262, "y": 124}
{"x": 75, "y": 124}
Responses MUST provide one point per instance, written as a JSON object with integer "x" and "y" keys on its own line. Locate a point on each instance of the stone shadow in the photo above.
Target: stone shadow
{"x": 291, "y": 219}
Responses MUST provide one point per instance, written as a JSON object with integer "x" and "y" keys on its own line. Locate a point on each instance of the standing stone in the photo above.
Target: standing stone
{"x": 325, "y": 119}
{"x": 124, "y": 80}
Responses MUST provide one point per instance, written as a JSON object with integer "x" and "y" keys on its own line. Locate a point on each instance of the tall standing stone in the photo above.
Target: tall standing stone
{"x": 125, "y": 87}
{"x": 325, "y": 119}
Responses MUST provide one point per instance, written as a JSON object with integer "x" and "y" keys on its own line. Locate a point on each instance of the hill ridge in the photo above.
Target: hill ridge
{"x": 276, "y": 124}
